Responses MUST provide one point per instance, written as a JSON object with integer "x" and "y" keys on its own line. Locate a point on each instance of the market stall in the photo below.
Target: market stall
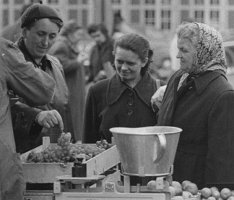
{"x": 96, "y": 172}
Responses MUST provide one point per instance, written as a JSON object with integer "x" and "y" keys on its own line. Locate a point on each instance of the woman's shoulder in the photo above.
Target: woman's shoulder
{"x": 100, "y": 86}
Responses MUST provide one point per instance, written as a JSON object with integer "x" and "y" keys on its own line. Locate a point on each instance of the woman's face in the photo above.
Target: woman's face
{"x": 128, "y": 66}
{"x": 40, "y": 37}
{"x": 186, "y": 54}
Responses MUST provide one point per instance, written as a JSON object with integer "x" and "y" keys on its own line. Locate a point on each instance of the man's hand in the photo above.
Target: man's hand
{"x": 49, "y": 119}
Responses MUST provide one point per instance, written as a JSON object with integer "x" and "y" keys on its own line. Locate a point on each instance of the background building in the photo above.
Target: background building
{"x": 155, "y": 19}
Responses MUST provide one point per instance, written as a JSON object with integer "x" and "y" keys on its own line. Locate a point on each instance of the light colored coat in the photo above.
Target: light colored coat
{"x": 37, "y": 88}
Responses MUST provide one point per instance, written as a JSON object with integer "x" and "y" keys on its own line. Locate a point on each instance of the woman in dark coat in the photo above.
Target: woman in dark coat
{"x": 124, "y": 99}
{"x": 200, "y": 100}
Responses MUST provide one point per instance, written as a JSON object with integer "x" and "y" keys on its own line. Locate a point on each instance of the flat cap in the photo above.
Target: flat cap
{"x": 39, "y": 11}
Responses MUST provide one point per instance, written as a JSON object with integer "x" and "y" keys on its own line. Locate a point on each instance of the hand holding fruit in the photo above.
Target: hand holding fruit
{"x": 49, "y": 119}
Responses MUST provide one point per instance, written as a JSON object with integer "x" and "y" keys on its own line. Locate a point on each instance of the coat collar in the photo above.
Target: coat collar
{"x": 202, "y": 82}
{"x": 144, "y": 89}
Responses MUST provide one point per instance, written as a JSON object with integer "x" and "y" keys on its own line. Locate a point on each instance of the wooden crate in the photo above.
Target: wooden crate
{"x": 47, "y": 172}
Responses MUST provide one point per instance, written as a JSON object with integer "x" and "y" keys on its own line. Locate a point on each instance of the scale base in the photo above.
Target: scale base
{"x": 111, "y": 196}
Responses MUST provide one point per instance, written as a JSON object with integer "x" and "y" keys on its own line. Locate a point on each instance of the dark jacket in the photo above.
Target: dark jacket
{"x": 204, "y": 109}
{"x": 111, "y": 103}
{"x": 100, "y": 54}
{"x": 75, "y": 79}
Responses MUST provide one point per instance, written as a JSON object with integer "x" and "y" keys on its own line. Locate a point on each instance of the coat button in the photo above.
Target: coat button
{"x": 130, "y": 94}
{"x": 130, "y": 102}
{"x": 130, "y": 112}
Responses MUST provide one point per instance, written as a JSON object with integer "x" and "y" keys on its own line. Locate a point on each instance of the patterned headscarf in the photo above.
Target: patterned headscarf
{"x": 210, "y": 54}
{"x": 210, "y": 50}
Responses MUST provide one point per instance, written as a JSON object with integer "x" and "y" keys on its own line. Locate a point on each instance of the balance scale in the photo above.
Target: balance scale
{"x": 102, "y": 187}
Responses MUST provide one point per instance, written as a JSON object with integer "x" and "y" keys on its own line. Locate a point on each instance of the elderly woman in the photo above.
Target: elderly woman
{"x": 40, "y": 27}
{"x": 200, "y": 100}
{"x": 124, "y": 99}
{"x": 66, "y": 50}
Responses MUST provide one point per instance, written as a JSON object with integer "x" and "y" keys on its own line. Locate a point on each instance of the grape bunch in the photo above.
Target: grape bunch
{"x": 65, "y": 151}
{"x": 64, "y": 140}
{"x": 103, "y": 144}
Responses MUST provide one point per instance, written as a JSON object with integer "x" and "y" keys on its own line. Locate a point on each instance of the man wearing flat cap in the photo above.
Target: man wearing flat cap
{"x": 40, "y": 26}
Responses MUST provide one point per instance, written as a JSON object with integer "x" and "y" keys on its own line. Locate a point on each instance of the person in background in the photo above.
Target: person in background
{"x": 200, "y": 100}
{"x": 124, "y": 99}
{"x": 37, "y": 88}
{"x": 66, "y": 50}
{"x": 40, "y": 27}
{"x": 13, "y": 32}
{"x": 164, "y": 71}
{"x": 101, "y": 57}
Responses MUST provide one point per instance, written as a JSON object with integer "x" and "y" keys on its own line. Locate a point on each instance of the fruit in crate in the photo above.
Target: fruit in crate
{"x": 65, "y": 151}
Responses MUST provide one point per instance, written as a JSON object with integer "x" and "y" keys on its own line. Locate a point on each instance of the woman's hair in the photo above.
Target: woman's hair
{"x": 137, "y": 44}
{"x": 70, "y": 27}
{"x": 188, "y": 31}
{"x": 38, "y": 11}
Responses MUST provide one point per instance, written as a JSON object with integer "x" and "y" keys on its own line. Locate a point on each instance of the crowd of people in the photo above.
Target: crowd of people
{"x": 43, "y": 93}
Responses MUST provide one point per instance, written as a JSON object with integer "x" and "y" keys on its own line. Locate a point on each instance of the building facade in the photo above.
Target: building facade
{"x": 161, "y": 15}
{"x": 155, "y": 19}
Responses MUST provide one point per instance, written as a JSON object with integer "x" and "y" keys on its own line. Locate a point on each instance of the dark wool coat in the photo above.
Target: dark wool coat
{"x": 205, "y": 112}
{"x": 111, "y": 103}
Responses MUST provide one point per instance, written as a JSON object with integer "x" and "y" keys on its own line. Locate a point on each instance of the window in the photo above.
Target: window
{"x": 84, "y": 17}
{"x": 214, "y": 2}
{"x": 135, "y": 2}
{"x": 73, "y": 2}
{"x": 150, "y": 2}
{"x": 19, "y": 1}
{"x": 135, "y": 16}
{"x": 17, "y": 14}
{"x": 165, "y": 19}
{"x": 150, "y": 17}
{"x": 199, "y": 16}
{"x": 73, "y": 14}
{"x": 52, "y": 1}
{"x": 231, "y": 19}
{"x": 85, "y": 2}
{"x": 231, "y": 2}
{"x": 214, "y": 16}
{"x": 184, "y": 2}
{"x": 5, "y": 17}
{"x": 116, "y": 1}
{"x": 166, "y": 2}
{"x": 184, "y": 15}
{"x": 199, "y": 2}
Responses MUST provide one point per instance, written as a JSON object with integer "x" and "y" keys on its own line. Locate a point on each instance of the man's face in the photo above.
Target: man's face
{"x": 98, "y": 36}
{"x": 40, "y": 37}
